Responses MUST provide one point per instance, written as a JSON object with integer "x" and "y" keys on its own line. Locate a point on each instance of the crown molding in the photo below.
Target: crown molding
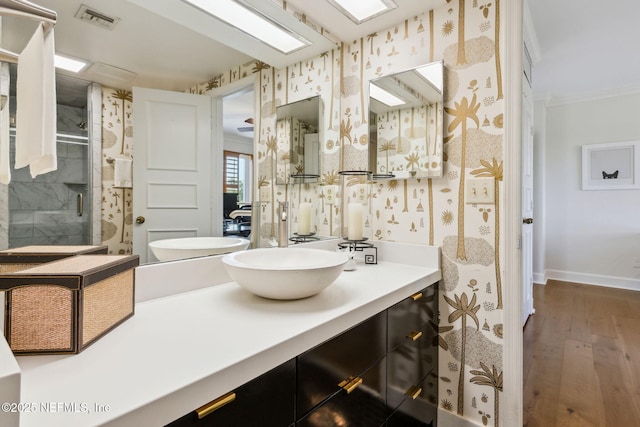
{"x": 551, "y": 99}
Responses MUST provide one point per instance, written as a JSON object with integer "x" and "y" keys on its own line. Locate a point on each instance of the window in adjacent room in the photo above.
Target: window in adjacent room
{"x": 237, "y": 175}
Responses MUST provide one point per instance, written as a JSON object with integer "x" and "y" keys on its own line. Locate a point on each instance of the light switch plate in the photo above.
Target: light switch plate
{"x": 480, "y": 191}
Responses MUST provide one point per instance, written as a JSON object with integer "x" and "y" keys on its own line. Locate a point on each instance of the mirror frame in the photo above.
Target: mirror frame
{"x": 423, "y": 155}
{"x": 308, "y": 112}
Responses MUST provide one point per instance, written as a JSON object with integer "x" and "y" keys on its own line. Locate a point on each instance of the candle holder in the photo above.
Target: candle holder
{"x": 369, "y": 250}
{"x": 303, "y": 238}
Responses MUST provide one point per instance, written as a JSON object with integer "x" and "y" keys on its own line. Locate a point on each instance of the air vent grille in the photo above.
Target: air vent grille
{"x": 92, "y": 16}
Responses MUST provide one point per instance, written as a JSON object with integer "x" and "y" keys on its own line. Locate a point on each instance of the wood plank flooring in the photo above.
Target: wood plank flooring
{"x": 582, "y": 357}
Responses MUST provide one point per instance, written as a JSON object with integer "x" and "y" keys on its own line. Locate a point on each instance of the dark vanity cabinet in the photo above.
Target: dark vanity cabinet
{"x": 344, "y": 378}
{"x": 412, "y": 360}
{"x": 264, "y": 401}
{"x": 381, "y": 372}
{"x": 360, "y": 403}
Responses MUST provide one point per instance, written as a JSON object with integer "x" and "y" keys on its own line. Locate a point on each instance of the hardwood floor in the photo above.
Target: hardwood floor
{"x": 582, "y": 357}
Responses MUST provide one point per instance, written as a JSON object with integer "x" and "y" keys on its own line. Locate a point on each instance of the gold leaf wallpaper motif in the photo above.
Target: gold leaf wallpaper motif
{"x": 406, "y": 136}
{"x": 117, "y": 143}
{"x": 465, "y": 35}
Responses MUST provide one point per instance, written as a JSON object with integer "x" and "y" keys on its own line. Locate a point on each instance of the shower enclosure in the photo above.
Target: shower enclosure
{"x": 56, "y": 208}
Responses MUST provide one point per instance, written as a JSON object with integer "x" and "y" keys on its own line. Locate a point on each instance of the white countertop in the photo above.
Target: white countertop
{"x": 181, "y": 351}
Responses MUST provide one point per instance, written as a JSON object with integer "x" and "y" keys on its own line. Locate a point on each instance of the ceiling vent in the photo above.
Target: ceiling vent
{"x": 94, "y": 17}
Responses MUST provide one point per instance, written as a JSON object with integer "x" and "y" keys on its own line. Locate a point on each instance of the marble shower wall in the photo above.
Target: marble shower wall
{"x": 44, "y": 210}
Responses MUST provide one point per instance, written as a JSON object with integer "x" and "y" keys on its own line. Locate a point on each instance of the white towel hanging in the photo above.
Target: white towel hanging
{"x": 36, "y": 104}
{"x": 123, "y": 173}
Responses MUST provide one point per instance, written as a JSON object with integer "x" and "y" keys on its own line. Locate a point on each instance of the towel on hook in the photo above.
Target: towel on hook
{"x": 36, "y": 104}
{"x": 122, "y": 173}
{"x": 5, "y": 166}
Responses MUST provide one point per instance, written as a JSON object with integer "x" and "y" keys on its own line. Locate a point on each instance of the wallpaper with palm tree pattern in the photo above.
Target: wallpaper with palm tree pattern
{"x": 465, "y": 34}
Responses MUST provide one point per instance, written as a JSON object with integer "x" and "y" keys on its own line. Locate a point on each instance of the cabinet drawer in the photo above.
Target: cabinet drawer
{"x": 418, "y": 407}
{"x": 409, "y": 364}
{"x": 265, "y": 401}
{"x": 322, "y": 368}
{"x": 410, "y": 315}
{"x": 364, "y": 406}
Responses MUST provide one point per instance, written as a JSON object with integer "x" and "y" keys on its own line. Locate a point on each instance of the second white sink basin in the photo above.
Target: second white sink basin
{"x": 285, "y": 273}
{"x": 191, "y": 247}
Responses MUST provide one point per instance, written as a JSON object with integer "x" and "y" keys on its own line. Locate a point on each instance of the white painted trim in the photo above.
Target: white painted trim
{"x": 449, "y": 419}
{"x": 511, "y": 400}
{"x": 557, "y": 99}
{"x": 594, "y": 279}
{"x": 539, "y": 278}
{"x": 94, "y": 118}
{"x": 530, "y": 36}
{"x": 217, "y": 137}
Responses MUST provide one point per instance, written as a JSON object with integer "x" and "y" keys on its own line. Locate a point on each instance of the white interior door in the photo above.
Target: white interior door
{"x": 173, "y": 182}
{"x": 527, "y": 203}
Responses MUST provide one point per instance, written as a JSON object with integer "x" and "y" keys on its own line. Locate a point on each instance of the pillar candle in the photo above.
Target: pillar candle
{"x": 304, "y": 219}
{"x": 355, "y": 221}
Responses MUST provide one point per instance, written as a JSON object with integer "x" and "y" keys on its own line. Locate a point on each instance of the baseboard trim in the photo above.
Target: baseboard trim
{"x": 594, "y": 279}
{"x": 539, "y": 278}
{"x": 449, "y": 419}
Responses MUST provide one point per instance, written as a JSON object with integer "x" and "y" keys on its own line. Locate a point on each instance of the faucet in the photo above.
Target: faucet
{"x": 283, "y": 232}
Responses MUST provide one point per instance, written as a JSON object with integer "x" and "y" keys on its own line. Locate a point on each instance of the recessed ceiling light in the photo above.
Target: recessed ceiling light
{"x": 252, "y": 23}
{"x": 69, "y": 64}
{"x": 383, "y": 96}
{"x": 362, "y": 10}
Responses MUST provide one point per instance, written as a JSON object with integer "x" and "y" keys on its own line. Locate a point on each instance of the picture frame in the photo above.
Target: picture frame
{"x": 611, "y": 166}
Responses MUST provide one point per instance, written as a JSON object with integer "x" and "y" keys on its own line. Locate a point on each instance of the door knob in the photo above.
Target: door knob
{"x": 140, "y": 220}
{"x": 527, "y": 221}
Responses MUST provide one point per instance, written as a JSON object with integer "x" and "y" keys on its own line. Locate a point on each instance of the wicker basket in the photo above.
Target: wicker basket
{"x": 66, "y": 305}
{"x": 16, "y": 259}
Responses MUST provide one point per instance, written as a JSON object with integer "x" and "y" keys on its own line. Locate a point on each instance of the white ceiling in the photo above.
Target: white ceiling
{"x": 586, "y": 47}
{"x": 166, "y": 55}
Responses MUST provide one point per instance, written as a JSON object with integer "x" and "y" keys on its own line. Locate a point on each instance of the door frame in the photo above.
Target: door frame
{"x": 217, "y": 137}
{"x": 527, "y": 203}
{"x": 512, "y": 407}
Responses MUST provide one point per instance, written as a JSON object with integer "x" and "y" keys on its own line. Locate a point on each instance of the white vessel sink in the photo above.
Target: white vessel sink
{"x": 285, "y": 273}
{"x": 191, "y": 247}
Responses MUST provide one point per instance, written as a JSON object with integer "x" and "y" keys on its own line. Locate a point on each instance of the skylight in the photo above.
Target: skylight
{"x": 361, "y": 10}
{"x": 383, "y": 96}
{"x": 252, "y": 23}
{"x": 69, "y": 64}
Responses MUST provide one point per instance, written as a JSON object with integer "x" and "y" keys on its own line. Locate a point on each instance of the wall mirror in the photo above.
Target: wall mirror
{"x": 405, "y": 123}
{"x": 298, "y": 133}
{"x": 56, "y": 208}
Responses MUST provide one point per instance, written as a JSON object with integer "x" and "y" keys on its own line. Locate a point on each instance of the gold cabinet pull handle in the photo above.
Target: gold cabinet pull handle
{"x": 415, "y": 335}
{"x": 416, "y": 296}
{"x": 413, "y": 392}
{"x": 214, "y": 405}
{"x": 350, "y": 384}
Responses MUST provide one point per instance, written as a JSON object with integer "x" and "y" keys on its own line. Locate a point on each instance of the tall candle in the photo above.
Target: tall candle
{"x": 304, "y": 219}
{"x": 355, "y": 221}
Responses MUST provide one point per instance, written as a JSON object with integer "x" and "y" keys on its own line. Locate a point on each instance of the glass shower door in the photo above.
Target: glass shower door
{"x": 54, "y": 208}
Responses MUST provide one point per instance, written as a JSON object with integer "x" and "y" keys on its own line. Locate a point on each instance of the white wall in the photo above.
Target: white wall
{"x": 539, "y": 138}
{"x": 589, "y": 236}
{"x": 238, "y": 144}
